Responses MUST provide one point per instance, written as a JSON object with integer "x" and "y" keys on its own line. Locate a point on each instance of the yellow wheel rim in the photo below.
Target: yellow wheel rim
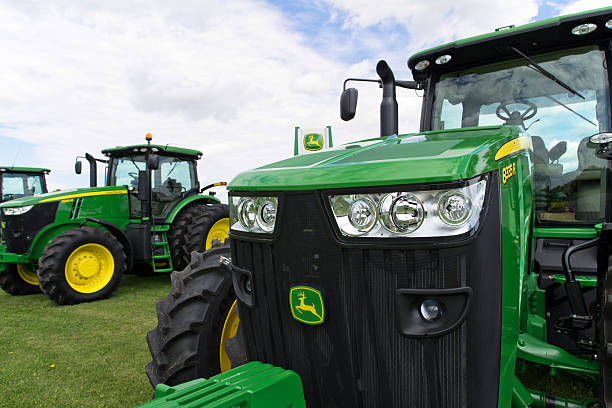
{"x": 230, "y": 328}
{"x": 219, "y": 230}
{"x": 89, "y": 268}
{"x": 27, "y": 275}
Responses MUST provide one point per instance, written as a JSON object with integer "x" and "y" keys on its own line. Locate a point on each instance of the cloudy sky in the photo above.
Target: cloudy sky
{"x": 229, "y": 78}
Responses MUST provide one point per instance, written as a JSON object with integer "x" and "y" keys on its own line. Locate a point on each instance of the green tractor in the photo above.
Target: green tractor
{"x": 75, "y": 245}
{"x": 17, "y": 182}
{"x": 433, "y": 269}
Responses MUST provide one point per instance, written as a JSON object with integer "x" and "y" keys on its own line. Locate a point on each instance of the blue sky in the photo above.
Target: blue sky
{"x": 215, "y": 76}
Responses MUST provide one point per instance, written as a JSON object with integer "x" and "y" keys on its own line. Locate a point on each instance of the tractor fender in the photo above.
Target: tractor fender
{"x": 45, "y": 236}
{"x": 208, "y": 199}
{"x": 120, "y": 235}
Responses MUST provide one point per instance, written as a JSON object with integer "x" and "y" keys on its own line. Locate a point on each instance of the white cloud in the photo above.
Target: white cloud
{"x": 431, "y": 23}
{"x": 583, "y": 5}
{"x": 231, "y": 79}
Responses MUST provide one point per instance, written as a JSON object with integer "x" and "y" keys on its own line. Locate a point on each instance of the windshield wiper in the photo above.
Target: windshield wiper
{"x": 546, "y": 73}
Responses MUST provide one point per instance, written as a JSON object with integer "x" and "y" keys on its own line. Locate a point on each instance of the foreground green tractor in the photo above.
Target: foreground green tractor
{"x": 434, "y": 269}
{"x": 75, "y": 245}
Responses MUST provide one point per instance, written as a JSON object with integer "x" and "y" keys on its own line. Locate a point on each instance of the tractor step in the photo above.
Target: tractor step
{"x": 253, "y": 385}
{"x": 162, "y": 260}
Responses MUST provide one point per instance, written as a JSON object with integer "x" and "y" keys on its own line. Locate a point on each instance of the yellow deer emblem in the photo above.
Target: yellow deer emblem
{"x": 314, "y": 142}
{"x": 303, "y": 307}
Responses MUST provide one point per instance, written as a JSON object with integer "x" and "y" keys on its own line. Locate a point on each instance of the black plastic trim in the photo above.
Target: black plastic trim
{"x": 456, "y": 303}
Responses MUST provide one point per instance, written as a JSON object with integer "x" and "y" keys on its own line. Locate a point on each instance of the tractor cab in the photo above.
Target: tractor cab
{"x": 172, "y": 178}
{"x": 557, "y": 93}
{"x": 17, "y": 182}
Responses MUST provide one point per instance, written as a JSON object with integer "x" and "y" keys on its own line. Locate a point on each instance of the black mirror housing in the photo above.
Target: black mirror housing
{"x": 348, "y": 104}
{"x": 78, "y": 167}
{"x": 153, "y": 162}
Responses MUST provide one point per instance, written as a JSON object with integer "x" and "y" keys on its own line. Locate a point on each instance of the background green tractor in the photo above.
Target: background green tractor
{"x": 75, "y": 245}
{"x": 435, "y": 269}
{"x": 17, "y": 182}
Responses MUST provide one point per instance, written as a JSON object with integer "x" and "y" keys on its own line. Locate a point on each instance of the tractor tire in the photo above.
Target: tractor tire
{"x": 194, "y": 229}
{"x": 97, "y": 263}
{"x": 186, "y": 343}
{"x": 17, "y": 280}
{"x": 605, "y": 339}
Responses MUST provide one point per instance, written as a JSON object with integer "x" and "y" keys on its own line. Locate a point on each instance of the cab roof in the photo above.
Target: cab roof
{"x": 13, "y": 169}
{"x": 119, "y": 151}
{"x": 529, "y": 38}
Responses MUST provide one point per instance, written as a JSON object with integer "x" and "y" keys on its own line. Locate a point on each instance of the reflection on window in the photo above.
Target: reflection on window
{"x": 569, "y": 177}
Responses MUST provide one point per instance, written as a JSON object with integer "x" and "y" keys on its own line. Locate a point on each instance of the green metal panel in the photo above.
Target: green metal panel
{"x": 171, "y": 150}
{"x": 253, "y": 385}
{"x": 516, "y": 214}
{"x": 65, "y": 195}
{"x": 415, "y": 158}
{"x": 189, "y": 200}
{"x": 12, "y": 169}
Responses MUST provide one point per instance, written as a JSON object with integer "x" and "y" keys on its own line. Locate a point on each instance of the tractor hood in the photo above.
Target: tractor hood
{"x": 63, "y": 195}
{"x": 406, "y": 159}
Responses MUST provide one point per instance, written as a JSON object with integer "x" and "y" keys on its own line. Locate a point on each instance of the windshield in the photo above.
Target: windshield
{"x": 569, "y": 177}
{"x": 15, "y": 185}
{"x": 169, "y": 184}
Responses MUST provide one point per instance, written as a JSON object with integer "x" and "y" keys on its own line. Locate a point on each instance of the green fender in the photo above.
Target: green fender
{"x": 199, "y": 197}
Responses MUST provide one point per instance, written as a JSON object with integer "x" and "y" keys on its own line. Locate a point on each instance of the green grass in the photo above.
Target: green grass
{"x": 87, "y": 355}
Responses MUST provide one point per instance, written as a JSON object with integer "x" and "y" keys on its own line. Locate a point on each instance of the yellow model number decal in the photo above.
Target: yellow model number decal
{"x": 508, "y": 171}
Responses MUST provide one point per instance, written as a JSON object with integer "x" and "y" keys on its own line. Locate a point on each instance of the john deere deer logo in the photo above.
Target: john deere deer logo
{"x": 313, "y": 142}
{"x": 306, "y": 305}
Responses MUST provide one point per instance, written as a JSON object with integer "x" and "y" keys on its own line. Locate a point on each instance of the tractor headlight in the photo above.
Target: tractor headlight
{"x": 17, "y": 210}
{"x": 426, "y": 213}
{"x": 253, "y": 214}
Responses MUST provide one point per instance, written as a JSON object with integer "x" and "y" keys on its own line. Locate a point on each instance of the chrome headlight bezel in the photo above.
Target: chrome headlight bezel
{"x": 425, "y": 223}
{"x": 11, "y": 211}
{"x": 251, "y": 213}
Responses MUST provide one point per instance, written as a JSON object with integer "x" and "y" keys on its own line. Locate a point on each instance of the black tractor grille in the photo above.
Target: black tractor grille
{"x": 20, "y": 230}
{"x": 358, "y": 358}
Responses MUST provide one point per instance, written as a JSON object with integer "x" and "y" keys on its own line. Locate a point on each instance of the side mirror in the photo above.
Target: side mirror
{"x": 153, "y": 162}
{"x": 348, "y": 104}
{"x": 78, "y": 167}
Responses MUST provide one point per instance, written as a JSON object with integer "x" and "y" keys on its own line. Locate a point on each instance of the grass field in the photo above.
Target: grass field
{"x": 93, "y": 354}
{"x": 87, "y": 355}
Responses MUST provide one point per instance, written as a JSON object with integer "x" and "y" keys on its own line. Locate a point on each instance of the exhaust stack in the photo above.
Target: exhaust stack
{"x": 93, "y": 170}
{"x": 388, "y": 106}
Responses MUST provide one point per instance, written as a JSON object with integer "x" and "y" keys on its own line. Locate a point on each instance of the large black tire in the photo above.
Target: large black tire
{"x": 185, "y": 344}
{"x": 52, "y": 263}
{"x": 12, "y": 283}
{"x": 191, "y": 228}
{"x": 605, "y": 339}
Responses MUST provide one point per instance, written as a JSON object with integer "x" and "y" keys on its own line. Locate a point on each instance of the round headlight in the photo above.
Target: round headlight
{"x": 609, "y": 24}
{"x": 584, "y": 29}
{"x": 454, "y": 207}
{"x": 443, "y": 59}
{"x": 430, "y": 310}
{"x": 401, "y": 213}
{"x": 247, "y": 213}
{"x": 266, "y": 214}
{"x": 362, "y": 215}
{"x": 421, "y": 65}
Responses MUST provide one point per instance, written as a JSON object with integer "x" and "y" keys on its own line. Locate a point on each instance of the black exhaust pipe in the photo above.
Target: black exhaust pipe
{"x": 388, "y": 106}
{"x": 93, "y": 170}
